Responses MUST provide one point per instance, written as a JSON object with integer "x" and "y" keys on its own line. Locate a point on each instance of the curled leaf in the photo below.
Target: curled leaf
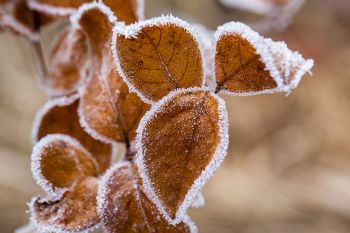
{"x": 124, "y": 207}
{"x": 74, "y": 212}
{"x": 157, "y": 56}
{"x": 248, "y": 64}
{"x": 59, "y": 162}
{"x": 181, "y": 141}
{"x": 67, "y": 64}
{"x": 108, "y": 110}
{"x": 60, "y": 116}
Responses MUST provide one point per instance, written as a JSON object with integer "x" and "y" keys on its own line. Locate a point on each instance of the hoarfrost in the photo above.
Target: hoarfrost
{"x": 53, "y": 192}
{"x": 218, "y": 157}
{"x": 61, "y": 102}
{"x": 285, "y": 66}
{"x": 131, "y": 31}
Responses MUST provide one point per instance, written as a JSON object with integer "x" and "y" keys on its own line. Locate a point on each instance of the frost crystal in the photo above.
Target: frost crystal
{"x": 75, "y": 18}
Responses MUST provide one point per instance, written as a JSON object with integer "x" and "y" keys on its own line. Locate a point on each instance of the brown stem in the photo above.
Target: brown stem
{"x": 130, "y": 152}
{"x": 39, "y": 59}
{"x": 37, "y": 47}
{"x": 280, "y": 18}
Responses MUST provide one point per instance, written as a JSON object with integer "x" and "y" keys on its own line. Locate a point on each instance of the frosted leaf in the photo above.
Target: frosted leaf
{"x": 199, "y": 201}
{"x": 171, "y": 56}
{"x": 9, "y": 23}
{"x": 180, "y": 142}
{"x": 60, "y": 116}
{"x": 56, "y": 7}
{"x": 128, "y": 11}
{"x": 264, "y": 7}
{"x": 108, "y": 111}
{"x": 74, "y": 212}
{"x": 59, "y": 162}
{"x": 68, "y": 64}
{"x": 249, "y": 64}
{"x": 124, "y": 207}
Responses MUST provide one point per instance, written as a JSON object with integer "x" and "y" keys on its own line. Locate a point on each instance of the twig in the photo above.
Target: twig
{"x": 280, "y": 18}
{"x": 39, "y": 59}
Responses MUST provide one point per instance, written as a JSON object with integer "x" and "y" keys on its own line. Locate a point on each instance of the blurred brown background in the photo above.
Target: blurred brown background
{"x": 288, "y": 165}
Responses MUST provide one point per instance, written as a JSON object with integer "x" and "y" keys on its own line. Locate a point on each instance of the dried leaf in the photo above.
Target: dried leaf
{"x": 68, "y": 68}
{"x": 248, "y": 64}
{"x": 59, "y": 162}
{"x": 108, "y": 110}
{"x": 181, "y": 141}
{"x": 59, "y": 116}
{"x": 74, "y": 212}
{"x": 157, "y": 56}
{"x": 129, "y": 11}
{"x": 124, "y": 207}
{"x": 125, "y": 10}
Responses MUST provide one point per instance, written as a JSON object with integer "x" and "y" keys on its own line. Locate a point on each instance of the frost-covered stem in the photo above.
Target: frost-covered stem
{"x": 39, "y": 59}
{"x": 280, "y": 18}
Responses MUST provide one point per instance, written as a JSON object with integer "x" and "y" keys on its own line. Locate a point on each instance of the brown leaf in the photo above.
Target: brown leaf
{"x": 67, "y": 64}
{"x": 74, "y": 212}
{"x": 239, "y": 68}
{"x": 59, "y": 116}
{"x": 157, "y": 56}
{"x": 181, "y": 141}
{"x": 59, "y": 161}
{"x": 107, "y": 108}
{"x": 128, "y": 11}
{"x": 124, "y": 207}
{"x": 248, "y": 64}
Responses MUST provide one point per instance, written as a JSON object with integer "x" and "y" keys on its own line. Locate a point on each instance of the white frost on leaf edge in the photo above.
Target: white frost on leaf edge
{"x": 132, "y": 30}
{"x": 53, "y": 192}
{"x": 268, "y": 50}
{"x": 103, "y": 189}
{"x": 85, "y": 125}
{"x": 103, "y": 192}
{"x": 9, "y": 23}
{"x": 199, "y": 201}
{"x": 44, "y": 228}
{"x": 52, "y": 103}
{"x": 50, "y": 10}
{"x": 75, "y": 18}
{"x": 218, "y": 157}
{"x": 83, "y": 73}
